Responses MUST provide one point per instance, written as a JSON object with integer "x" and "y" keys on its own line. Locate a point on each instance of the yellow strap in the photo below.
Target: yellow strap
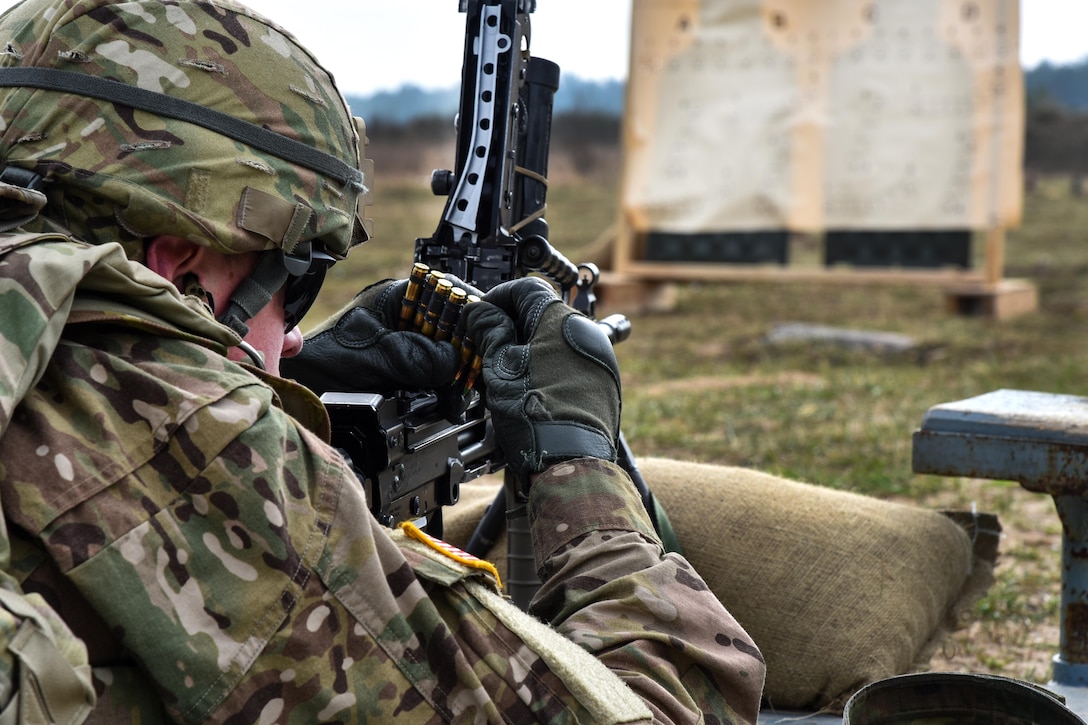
{"x": 450, "y": 551}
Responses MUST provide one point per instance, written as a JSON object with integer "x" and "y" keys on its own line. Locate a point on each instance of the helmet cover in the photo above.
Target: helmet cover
{"x": 123, "y": 169}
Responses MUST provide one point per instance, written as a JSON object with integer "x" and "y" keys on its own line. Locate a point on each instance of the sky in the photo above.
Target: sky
{"x": 388, "y": 43}
{"x": 372, "y": 45}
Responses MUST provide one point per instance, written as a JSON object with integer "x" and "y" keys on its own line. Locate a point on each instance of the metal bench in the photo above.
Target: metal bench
{"x": 1041, "y": 441}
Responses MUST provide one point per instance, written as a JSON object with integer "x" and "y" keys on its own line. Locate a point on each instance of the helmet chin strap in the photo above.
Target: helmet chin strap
{"x": 254, "y": 292}
{"x": 250, "y": 297}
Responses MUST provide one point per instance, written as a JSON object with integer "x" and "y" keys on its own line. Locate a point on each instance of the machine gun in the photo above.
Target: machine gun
{"x": 493, "y": 227}
{"x": 409, "y": 451}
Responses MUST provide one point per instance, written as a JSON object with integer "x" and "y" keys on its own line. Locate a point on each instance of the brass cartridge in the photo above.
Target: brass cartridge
{"x": 451, "y": 313}
{"x": 425, "y": 298}
{"x": 410, "y": 302}
{"x": 435, "y": 306}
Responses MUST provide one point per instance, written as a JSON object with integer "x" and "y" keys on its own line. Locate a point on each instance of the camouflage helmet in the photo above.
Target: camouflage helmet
{"x": 195, "y": 118}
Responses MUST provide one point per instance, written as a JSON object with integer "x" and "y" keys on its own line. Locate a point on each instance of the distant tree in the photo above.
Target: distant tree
{"x": 1065, "y": 85}
{"x": 404, "y": 104}
{"x": 579, "y": 96}
{"x": 588, "y": 116}
{"x": 410, "y": 102}
{"x": 579, "y": 129}
{"x": 420, "y": 128}
{"x": 1055, "y": 139}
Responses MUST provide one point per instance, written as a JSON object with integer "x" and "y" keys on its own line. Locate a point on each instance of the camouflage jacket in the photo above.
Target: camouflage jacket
{"x": 185, "y": 517}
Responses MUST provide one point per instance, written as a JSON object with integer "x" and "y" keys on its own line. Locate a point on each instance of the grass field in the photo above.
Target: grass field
{"x": 702, "y": 382}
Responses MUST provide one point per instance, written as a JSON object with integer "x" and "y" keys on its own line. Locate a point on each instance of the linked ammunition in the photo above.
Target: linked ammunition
{"x": 473, "y": 372}
{"x": 458, "y": 336}
{"x": 451, "y": 313}
{"x": 425, "y": 297}
{"x": 471, "y": 362}
{"x": 433, "y": 306}
{"x": 410, "y": 302}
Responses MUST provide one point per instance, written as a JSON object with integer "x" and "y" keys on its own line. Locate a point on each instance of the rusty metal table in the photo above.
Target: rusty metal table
{"x": 1041, "y": 441}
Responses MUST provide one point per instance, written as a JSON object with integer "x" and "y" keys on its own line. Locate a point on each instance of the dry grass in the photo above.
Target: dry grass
{"x": 1014, "y": 631}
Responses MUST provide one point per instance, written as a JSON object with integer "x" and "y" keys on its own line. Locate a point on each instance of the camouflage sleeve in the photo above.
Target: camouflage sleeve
{"x": 230, "y": 554}
{"x": 649, "y": 616}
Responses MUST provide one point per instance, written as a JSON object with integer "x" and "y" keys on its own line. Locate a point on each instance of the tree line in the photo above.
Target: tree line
{"x": 1058, "y": 85}
{"x": 1056, "y": 134}
{"x": 1055, "y": 141}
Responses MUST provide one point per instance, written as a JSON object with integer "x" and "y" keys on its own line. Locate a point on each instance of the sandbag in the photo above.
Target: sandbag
{"x": 837, "y": 589}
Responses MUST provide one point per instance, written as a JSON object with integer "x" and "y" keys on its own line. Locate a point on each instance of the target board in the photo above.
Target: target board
{"x": 748, "y": 120}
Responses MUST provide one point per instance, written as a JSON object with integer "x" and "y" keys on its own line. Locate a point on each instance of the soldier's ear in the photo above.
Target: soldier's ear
{"x": 173, "y": 257}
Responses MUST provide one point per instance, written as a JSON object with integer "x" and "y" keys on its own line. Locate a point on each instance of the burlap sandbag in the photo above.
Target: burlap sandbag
{"x": 837, "y": 589}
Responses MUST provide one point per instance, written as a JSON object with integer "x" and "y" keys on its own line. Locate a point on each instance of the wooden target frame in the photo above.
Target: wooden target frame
{"x": 749, "y": 117}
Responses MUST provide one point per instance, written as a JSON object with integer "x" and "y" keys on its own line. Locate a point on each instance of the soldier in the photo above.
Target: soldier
{"x": 179, "y": 540}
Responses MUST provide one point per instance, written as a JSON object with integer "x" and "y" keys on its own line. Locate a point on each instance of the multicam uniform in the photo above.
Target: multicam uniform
{"x": 197, "y": 537}
{"x": 182, "y": 513}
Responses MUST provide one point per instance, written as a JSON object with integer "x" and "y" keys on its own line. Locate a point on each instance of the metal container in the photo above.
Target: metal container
{"x": 950, "y": 698}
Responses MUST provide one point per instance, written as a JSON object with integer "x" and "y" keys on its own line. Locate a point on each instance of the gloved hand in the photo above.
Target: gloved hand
{"x": 550, "y": 376}
{"x": 359, "y": 349}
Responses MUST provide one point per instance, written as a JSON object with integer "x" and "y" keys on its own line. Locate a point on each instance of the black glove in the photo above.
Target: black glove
{"x": 550, "y": 376}
{"x": 359, "y": 349}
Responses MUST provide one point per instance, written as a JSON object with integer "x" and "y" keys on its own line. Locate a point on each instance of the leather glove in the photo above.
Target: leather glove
{"x": 550, "y": 376}
{"x": 359, "y": 349}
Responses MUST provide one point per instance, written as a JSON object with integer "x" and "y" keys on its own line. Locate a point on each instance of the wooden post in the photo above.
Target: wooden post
{"x": 995, "y": 297}
{"x": 995, "y": 255}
